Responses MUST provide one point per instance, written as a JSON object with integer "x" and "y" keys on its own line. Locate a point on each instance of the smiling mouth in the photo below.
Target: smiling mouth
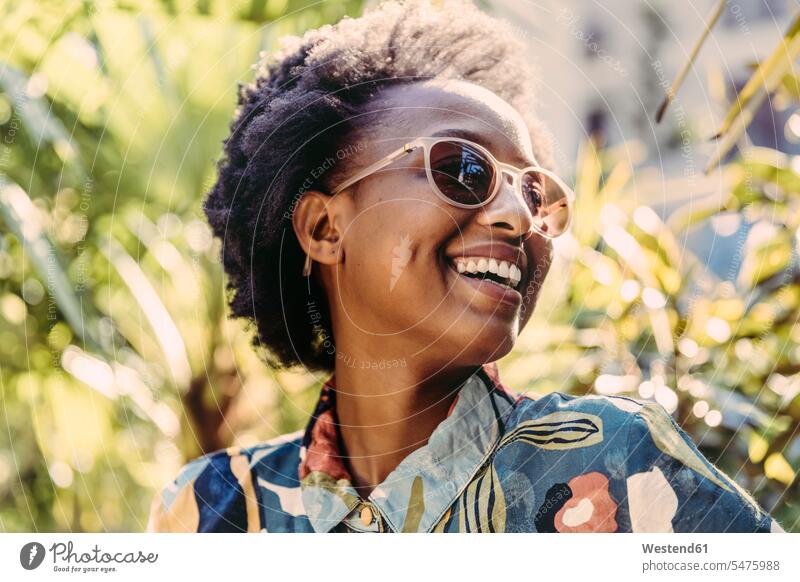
{"x": 505, "y": 275}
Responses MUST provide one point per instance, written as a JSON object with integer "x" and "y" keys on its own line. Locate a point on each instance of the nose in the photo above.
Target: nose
{"x": 508, "y": 211}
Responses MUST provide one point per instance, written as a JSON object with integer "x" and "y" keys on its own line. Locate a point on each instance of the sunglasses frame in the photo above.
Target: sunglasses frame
{"x": 500, "y": 168}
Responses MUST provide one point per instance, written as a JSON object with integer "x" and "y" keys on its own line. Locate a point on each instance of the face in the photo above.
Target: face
{"x": 394, "y": 285}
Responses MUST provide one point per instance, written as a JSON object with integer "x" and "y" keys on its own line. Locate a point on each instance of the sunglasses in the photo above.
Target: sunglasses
{"x": 464, "y": 174}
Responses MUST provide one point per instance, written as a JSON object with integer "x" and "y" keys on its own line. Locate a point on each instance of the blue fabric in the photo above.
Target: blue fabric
{"x": 500, "y": 462}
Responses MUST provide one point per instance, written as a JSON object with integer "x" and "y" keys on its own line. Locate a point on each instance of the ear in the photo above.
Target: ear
{"x": 316, "y": 226}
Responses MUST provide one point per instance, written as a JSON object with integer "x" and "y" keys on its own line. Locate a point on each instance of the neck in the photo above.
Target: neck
{"x": 386, "y": 414}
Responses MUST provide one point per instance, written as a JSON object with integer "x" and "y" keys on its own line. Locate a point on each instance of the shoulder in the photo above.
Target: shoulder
{"x": 644, "y": 429}
{"x": 217, "y": 468}
{"x": 217, "y": 491}
{"x": 668, "y": 484}
{"x": 596, "y": 416}
{"x": 574, "y": 431}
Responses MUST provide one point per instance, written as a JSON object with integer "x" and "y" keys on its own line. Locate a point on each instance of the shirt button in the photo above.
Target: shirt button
{"x": 366, "y": 516}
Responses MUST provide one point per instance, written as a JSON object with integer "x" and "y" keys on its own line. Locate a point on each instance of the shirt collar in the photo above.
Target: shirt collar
{"x": 425, "y": 484}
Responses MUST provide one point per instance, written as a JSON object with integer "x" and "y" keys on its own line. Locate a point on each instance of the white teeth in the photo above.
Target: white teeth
{"x": 504, "y": 269}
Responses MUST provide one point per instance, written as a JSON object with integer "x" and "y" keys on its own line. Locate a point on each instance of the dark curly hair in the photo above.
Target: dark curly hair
{"x": 303, "y": 105}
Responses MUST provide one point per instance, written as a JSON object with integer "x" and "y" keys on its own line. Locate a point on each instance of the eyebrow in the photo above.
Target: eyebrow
{"x": 471, "y": 135}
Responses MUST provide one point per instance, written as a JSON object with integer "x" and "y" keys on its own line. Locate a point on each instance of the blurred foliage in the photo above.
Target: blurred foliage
{"x": 117, "y": 363}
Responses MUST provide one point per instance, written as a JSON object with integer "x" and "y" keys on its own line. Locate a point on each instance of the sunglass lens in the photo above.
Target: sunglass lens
{"x": 549, "y": 201}
{"x": 462, "y": 173}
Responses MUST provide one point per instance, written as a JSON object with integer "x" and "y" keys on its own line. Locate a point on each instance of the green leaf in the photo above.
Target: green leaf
{"x": 716, "y": 12}
{"x": 762, "y": 83}
{"x": 162, "y": 324}
{"x": 22, "y": 217}
{"x": 765, "y": 257}
{"x": 41, "y": 126}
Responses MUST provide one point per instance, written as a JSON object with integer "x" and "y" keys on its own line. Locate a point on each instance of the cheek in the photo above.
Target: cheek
{"x": 393, "y": 250}
{"x": 540, "y": 258}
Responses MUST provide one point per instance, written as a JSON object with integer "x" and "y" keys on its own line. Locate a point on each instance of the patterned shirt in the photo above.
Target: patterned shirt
{"x": 499, "y": 462}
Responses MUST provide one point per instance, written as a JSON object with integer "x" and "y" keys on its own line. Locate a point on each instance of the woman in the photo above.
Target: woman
{"x": 386, "y": 214}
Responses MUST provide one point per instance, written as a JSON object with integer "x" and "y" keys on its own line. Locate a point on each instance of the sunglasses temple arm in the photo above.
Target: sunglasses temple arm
{"x": 379, "y": 165}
